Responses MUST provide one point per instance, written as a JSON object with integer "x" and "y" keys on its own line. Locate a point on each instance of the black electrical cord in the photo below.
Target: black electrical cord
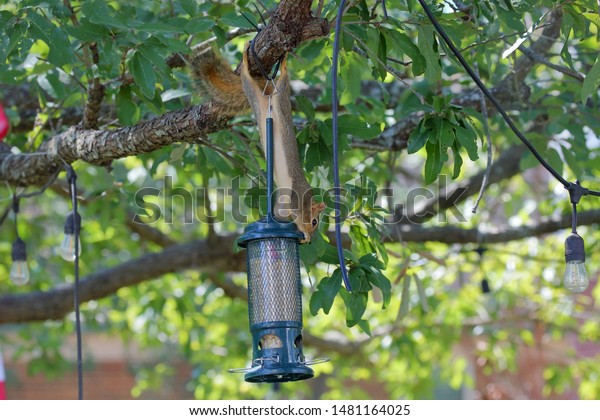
{"x": 16, "y": 207}
{"x": 336, "y": 164}
{"x": 568, "y": 185}
{"x": 72, "y": 177}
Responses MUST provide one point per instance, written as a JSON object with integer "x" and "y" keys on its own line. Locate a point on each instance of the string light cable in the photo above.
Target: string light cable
{"x": 75, "y": 221}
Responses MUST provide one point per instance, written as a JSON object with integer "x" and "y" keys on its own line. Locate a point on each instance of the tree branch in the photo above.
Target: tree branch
{"x": 458, "y": 235}
{"x": 291, "y": 22}
{"x": 217, "y": 256}
{"x": 58, "y": 302}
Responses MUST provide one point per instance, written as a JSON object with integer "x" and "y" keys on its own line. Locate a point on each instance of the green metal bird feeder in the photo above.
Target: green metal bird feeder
{"x": 274, "y": 293}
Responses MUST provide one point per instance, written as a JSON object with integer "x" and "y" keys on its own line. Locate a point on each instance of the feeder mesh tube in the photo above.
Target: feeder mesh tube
{"x": 274, "y": 289}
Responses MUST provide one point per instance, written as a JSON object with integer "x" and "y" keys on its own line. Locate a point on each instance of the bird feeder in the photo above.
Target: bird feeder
{"x": 274, "y": 293}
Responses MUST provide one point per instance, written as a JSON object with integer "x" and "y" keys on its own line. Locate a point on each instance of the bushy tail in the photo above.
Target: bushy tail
{"x": 218, "y": 82}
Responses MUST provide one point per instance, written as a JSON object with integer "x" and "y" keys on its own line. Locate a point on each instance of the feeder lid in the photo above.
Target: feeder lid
{"x": 267, "y": 228}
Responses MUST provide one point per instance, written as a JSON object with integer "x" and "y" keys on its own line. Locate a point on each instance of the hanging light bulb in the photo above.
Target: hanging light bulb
{"x": 576, "y": 279}
{"x": 67, "y": 247}
{"x": 19, "y": 272}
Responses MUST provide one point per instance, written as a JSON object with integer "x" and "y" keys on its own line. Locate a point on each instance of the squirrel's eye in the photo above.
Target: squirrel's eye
{"x": 315, "y": 222}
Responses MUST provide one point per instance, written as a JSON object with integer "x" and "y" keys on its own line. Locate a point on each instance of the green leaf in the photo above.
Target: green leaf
{"x": 235, "y": 21}
{"x": 127, "y": 111}
{"x": 177, "y": 153}
{"x": 402, "y": 43}
{"x": 376, "y": 42}
{"x": 593, "y": 17}
{"x": 87, "y": 31}
{"x": 168, "y": 26}
{"x": 311, "y": 252}
{"x": 317, "y": 154}
{"x": 356, "y": 304}
{"x": 200, "y": 24}
{"x": 363, "y": 324}
{"x": 5, "y": 17}
{"x": 446, "y": 134}
{"x": 433, "y": 163}
{"x": 330, "y": 255}
{"x": 143, "y": 73}
{"x": 591, "y": 81}
{"x": 356, "y": 126}
{"x": 306, "y": 107}
{"x": 467, "y": 138}
{"x": 458, "y": 161}
{"x": 370, "y": 260}
{"x": 327, "y": 290}
{"x": 350, "y": 73}
{"x": 60, "y": 51}
{"x": 417, "y": 138}
{"x": 379, "y": 280}
{"x": 426, "y": 42}
{"x": 358, "y": 280}
{"x": 360, "y": 242}
{"x": 16, "y": 36}
{"x": 149, "y": 51}
{"x": 100, "y": 13}
{"x": 189, "y": 6}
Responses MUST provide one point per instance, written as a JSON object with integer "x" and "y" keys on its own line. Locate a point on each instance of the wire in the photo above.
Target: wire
{"x": 494, "y": 101}
{"x": 336, "y": 164}
{"x": 72, "y": 176}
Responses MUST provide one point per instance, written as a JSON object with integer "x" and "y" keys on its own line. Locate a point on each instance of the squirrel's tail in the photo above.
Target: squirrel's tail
{"x": 218, "y": 82}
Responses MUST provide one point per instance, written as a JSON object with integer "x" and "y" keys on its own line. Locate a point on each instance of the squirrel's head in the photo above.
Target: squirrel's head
{"x": 310, "y": 221}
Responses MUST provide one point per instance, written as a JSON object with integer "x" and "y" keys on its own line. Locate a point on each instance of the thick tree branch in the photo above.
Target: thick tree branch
{"x": 458, "y": 235}
{"x": 56, "y": 303}
{"x": 217, "y": 256}
{"x": 290, "y": 22}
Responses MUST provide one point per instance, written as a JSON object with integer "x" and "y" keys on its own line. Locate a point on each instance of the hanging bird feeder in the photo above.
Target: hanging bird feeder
{"x": 274, "y": 293}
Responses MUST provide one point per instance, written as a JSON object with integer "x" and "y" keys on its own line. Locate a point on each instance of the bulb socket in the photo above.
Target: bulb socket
{"x": 19, "y": 250}
{"x": 69, "y": 228}
{"x": 574, "y": 248}
{"x": 485, "y": 286}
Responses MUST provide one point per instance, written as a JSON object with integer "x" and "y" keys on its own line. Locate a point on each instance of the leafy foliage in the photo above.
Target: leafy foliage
{"x": 413, "y": 304}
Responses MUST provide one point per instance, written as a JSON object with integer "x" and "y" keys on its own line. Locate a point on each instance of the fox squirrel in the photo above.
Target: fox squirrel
{"x": 234, "y": 94}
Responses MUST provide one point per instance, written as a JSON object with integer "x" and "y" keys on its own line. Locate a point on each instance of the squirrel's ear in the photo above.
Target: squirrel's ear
{"x": 319, "y": 206}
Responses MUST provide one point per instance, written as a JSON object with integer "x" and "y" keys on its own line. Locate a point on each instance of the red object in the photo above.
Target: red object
{"x": 2, "y": 379}
{"x": 4, "y": 125}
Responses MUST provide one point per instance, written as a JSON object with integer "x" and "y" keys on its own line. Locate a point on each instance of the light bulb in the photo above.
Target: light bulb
{"x": 67, "y": 247}
{"x": 576, "y": 279}
{"x": 19, "y": 272}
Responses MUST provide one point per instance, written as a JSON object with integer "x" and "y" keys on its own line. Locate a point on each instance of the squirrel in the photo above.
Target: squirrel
{"x": 234, "y": 94}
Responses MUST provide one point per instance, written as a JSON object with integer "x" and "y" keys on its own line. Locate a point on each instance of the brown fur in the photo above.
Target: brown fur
{"x": 294, "y": 198}
{"x": 218, "y": 82}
